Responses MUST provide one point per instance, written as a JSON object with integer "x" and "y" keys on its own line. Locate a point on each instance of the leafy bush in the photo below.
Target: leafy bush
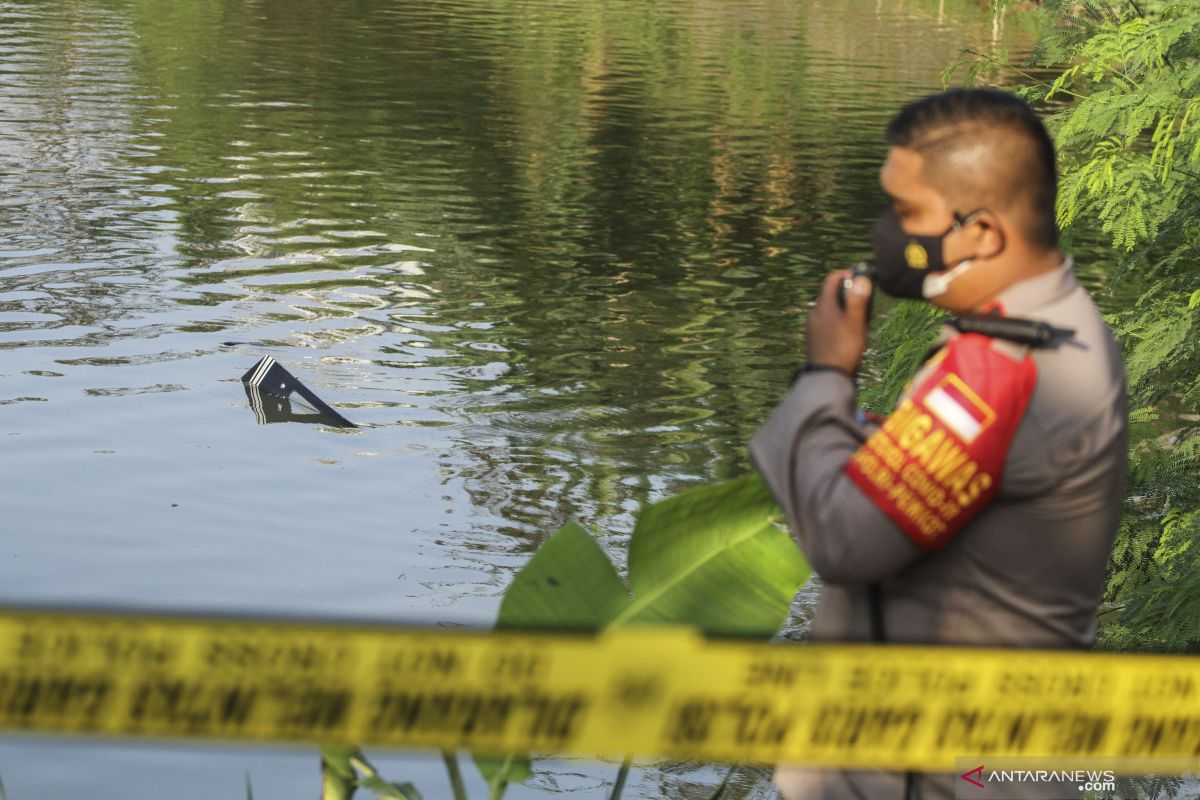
{"x": 1129, "y": 156}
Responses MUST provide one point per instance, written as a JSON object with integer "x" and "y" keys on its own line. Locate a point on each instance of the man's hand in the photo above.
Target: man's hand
{"x": 837, "y": 338}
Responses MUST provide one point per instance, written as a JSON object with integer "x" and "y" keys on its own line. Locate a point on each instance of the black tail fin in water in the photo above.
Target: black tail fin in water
{"x": 270, "y": 388}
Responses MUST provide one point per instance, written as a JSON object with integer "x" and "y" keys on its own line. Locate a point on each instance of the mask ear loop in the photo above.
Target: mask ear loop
{"x": 938, "y": 282}
{"x": 962, "y": 219}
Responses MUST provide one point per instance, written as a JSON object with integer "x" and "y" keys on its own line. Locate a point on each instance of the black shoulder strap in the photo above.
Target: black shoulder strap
{"x": 1031, "y": 332}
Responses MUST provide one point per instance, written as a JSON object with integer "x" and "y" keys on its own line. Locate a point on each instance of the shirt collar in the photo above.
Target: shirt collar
{"x": 1041, "y": 290}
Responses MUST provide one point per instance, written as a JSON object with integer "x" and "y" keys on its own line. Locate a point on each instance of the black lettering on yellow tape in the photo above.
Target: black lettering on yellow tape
{"x": 642, "y": 691}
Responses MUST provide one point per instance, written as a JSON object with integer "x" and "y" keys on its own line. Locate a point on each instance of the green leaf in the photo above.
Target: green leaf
{"x": 338, "y": 778}
{"x": 1156, "y": 347}
{"x": 517, "y": 769}
{"x": 1144, "y": 414}
{"x": 568, "y": 585}
{"x": 396, "y": 791}
{"x": 713, "y": 557}
{"x": 355, "y": 761}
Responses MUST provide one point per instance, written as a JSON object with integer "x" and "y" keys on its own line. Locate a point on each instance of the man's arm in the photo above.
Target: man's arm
{"x": 863, "y": 508}
{"x": 801, "y": 453}
{"x": 809, "y": 438}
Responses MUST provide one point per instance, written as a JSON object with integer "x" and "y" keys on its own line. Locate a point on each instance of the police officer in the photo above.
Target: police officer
{"x": 982, "y": 510}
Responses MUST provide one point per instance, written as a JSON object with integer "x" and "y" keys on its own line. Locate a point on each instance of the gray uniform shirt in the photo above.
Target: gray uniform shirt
{"x": 1027, "y": 571}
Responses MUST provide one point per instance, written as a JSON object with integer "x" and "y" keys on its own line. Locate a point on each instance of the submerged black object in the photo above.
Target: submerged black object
{"x": 1032, "y": 332}
{"x": 270, "y": 387}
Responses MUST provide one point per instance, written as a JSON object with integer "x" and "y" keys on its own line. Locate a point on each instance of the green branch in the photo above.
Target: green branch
{"x": 998, "y": 63}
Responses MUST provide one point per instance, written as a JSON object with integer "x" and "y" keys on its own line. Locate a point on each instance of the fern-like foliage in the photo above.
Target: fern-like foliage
{"x": 1129, "y": 156}
{"x": 898, "y": 348}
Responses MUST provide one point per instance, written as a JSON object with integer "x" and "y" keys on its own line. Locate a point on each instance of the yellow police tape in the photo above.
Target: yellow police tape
{"x": 642, "y": 691}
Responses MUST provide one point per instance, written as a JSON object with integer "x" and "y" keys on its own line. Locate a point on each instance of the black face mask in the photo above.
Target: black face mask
{"x": 903, "y": 261}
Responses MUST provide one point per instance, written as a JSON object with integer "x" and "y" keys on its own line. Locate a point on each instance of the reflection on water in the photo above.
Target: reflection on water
{"x": 551, "y": 256}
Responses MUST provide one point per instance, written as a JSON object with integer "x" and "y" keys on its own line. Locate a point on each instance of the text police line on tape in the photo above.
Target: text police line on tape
{"x": 642, "y": 691}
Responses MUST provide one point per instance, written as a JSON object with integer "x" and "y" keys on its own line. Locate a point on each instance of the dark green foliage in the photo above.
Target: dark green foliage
{"x": 898, "y": 348}
{"x": 1150, "y": 787}
{"x": 1129, "y": 156}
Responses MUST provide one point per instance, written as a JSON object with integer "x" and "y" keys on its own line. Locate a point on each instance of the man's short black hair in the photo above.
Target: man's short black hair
{"x": 985, "y": 148}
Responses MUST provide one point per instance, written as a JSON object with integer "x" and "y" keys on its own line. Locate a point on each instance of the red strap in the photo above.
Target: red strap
{"x": 938, "y": 459}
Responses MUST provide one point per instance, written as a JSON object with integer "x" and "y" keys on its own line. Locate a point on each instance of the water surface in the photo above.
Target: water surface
{"x": 552, "y": 257}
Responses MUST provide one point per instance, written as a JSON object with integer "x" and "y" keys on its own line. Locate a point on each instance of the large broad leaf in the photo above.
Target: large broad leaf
{"x": 713, "y": 558}
{"x": 568, "y": 585}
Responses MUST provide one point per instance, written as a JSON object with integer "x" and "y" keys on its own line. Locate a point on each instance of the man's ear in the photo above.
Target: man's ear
{"x": 987, "y": 234}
